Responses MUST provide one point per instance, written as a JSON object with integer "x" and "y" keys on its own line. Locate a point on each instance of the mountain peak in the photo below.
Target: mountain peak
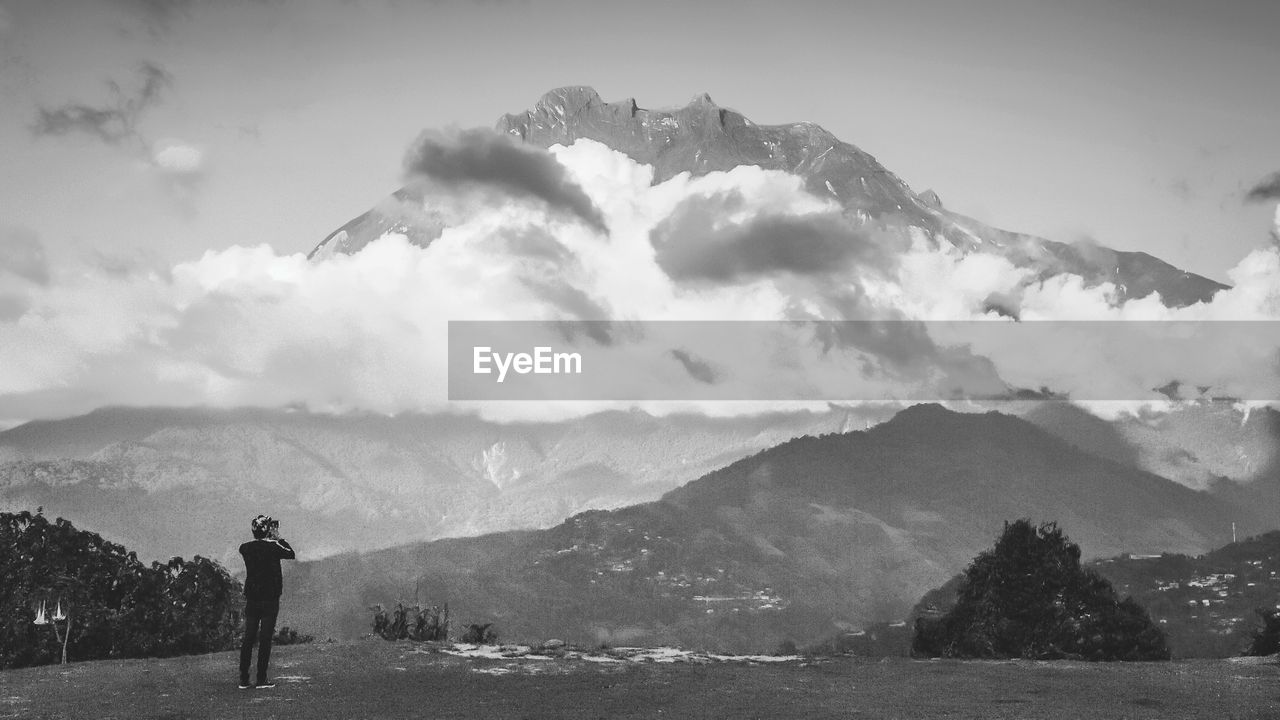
{"x": 569, "y": 100}
{"x": 704, "y": 137}
{"x": 926, "y": 410}
{"x": 703, "y": 99}
{"x": 934, "y": 417}
{"x": 925, "y": 413}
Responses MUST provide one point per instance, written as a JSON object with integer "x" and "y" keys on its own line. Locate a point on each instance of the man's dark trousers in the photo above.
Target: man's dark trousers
{"x": 259, "y": 626}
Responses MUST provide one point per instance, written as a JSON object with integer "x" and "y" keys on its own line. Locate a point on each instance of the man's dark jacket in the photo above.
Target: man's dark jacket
{"x": 262, "y": 568}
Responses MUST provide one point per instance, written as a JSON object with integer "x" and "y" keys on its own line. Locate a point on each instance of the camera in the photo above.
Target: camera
{"x": 266, "y": 526}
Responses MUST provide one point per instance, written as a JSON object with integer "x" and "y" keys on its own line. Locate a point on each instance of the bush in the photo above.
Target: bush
{"x": 1266, "y": 639}
{"x": 480, "y": 634}
{"x": 431, "y": 624}
{"x": 1028, "y": 597}
{"x": 412, "y": 623}
{"x": 288, "y": 636}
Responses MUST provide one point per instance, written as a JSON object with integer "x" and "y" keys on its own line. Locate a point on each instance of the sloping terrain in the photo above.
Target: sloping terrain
{"x": 1207, "y": 604}
{"x": 813, "y": 537}
{"x": 1196, "y": 444}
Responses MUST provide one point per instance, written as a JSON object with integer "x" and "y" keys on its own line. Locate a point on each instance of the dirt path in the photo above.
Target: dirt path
{"x": 375, "y": 679}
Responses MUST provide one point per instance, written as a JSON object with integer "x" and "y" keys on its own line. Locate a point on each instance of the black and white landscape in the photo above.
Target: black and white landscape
{"x": 232, "y": 236}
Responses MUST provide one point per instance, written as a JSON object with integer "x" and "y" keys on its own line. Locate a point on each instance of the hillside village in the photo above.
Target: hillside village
{"x": 1208, "y": 605}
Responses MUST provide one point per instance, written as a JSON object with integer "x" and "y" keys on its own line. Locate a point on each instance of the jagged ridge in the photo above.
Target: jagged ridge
{"x": 703, "y": 137}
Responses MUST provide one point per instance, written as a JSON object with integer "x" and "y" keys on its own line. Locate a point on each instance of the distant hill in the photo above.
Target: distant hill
{"x": 816, "y": 536}
{"x": 185, "y": 481}
{"x": 1205, "y": 603}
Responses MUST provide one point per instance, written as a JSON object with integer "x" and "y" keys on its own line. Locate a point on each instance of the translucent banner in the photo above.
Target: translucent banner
{"x": 862, "y": 360}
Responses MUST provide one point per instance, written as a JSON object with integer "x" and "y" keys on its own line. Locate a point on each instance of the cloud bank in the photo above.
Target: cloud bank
{"x": 579, "y": 233}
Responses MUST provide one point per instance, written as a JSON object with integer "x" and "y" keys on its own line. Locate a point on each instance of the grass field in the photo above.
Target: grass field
{"x": 376, "y": 679}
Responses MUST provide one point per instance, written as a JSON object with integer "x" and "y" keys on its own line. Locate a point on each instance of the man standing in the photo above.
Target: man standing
{"x": 262, "y": 588}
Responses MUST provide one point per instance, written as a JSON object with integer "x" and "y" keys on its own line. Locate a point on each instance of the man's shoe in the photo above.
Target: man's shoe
{"x": 267, "y": 684}
{"x": 245, "y": 685}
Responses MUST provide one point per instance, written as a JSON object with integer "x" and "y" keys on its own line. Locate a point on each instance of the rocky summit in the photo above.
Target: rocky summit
{"x": 703, "y": 137}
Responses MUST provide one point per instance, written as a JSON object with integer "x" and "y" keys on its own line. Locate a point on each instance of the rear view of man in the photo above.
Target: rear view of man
{"x": 262, "y": 588}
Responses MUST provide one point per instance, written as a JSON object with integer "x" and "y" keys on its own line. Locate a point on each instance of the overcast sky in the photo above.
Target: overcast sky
{"x": 168, "y": 127}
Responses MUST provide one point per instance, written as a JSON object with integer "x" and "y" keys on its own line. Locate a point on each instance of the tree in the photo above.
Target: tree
{"x": 1266, "y": 639}
{"x": 1028, "y": 597}
{"x": 115, "y": 605}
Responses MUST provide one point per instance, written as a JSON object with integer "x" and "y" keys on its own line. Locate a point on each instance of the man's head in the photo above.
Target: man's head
{"x": 263, "y": 526}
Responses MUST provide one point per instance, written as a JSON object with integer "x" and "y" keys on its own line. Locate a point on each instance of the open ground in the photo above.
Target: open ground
{"x": 378, "y": 679}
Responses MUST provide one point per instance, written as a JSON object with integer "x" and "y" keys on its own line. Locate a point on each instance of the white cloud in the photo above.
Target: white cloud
{"x": 247, "y": 326}
{"x": 178, "y": 157}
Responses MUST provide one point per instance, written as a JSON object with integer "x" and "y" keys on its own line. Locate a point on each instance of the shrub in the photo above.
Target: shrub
{"x": 1028, "y": 597}
{"x": 431, "y": 624}
{"x": 1266, "y": 639}
{"x": 412, "y": 623}
{"x": 288, "y": 636}
{"x": 480, "y": 634}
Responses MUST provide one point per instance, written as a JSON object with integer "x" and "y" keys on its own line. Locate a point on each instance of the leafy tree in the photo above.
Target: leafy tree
{"x": 115, "y": 606}
{"x": 1028, "y": 597}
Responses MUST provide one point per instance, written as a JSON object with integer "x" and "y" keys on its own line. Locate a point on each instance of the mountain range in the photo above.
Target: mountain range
{"x": 1198, "y": 445}
{"x": 703, "y": 137}
{"x": 816, "y": 536}
{"x": 170, "y": 482}
{"x": 181, "y": 481}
